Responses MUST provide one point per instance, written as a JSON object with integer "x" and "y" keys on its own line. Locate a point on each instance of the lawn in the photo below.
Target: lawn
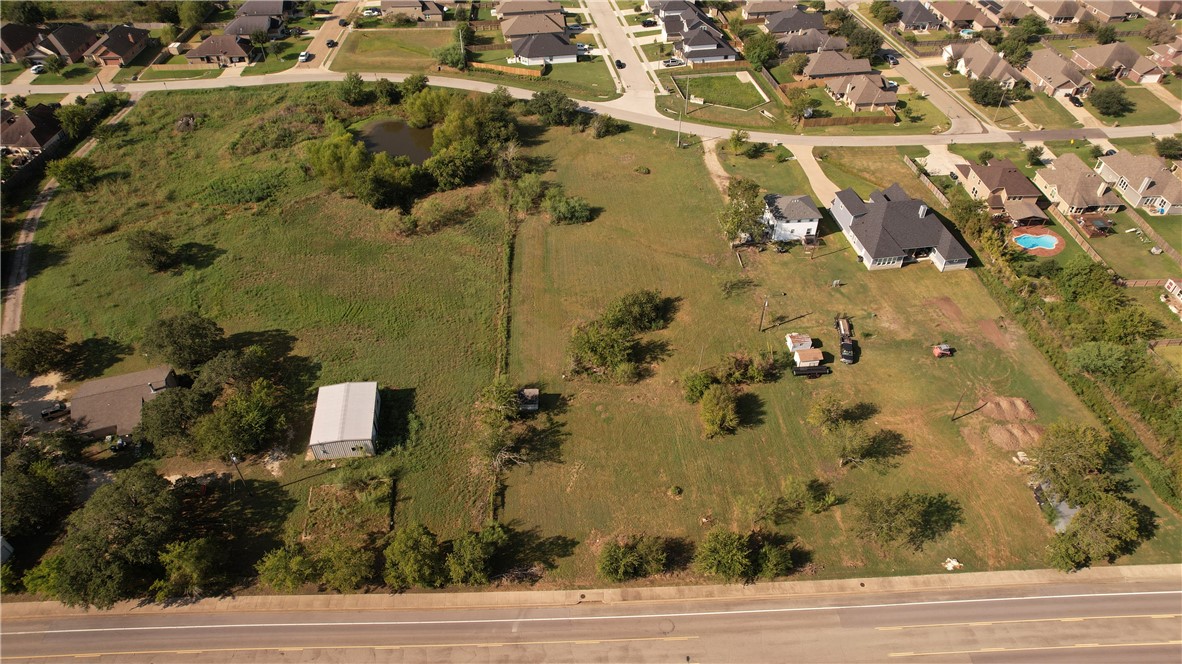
{"x": 1129, "y": 255}
{"x": 723, "y": 90}
{"x": 33, "y": 100}
{"x": 1012, "y": 151}
{"x": 72, "y": 75}
{"x": 656, "y": 51}
{"x": 625, "y": 448}
{"x": 1046, "y": 112}
{"x": 785, "y": 178}
{"x": 1081, "y": 148}
{"x": 1170, "y": 354}
{"x": 9, "y": 71}
{"x": 1149, "y": 298}
{"x": 152, "y": 74}
{"x": 782, "y": 73}
{"x": 1149, "y": 110}
{"x": 952, "y": 79}
{"x": 868, "y": 168}
{"x": 925, "y": 119}
{"x": 1174, "y": 85}
{"x": 285, "y": 57}
{"x": 359, "y": 301}
{"x": 1168, "y": 226}
{"x": 1139, "y": 145}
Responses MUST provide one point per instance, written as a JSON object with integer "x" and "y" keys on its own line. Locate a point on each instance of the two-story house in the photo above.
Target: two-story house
{"x": 1004, "y": 189}
{"x": 1074, "y": 188}
{"x": 791, "y": 218}
{"x": 1144, "y": 181}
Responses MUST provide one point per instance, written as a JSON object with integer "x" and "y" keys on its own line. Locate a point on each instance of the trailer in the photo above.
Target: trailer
{"x": 811, "y": 372}
{"x": 843, "y": 326}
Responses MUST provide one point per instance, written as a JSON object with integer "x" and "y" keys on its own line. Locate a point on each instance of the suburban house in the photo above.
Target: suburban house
{"x": 892, "y": 229}
{"x": 524, "y": 25}
{"x": 1013, "y": 11}
{"x": 703, "y": 44}
{"x": 111, "y": 406}
{"x": 765, "y": 8}
{"x": 245, "y": 26}
{"x": 119, "y": 46}
{"x": 1048, "y": 72}
{"x": 222, "y": 50}
{"x": 1057, "y": 11}
{"x": 1111, "y": 11}
{"x": 1171, "y": 9}
{"x": 957, "y": 15}
{"x": 519, "y": 7}
{"x": 811, "y": 41}
{"x": 679, "y": 18}
{"x": 861, "y": 92}
{"x": 1174, "y": 288}
{"x": 791, "y": 218}
{"x": 793, "y": 21}
{"x": 68, "y": 42}
{"x": 419, "y": 10}
{"x": 915, "y": 16}
{"x": 978, "y": 60}
{"x": 280, "y": 9}
{"x": 346, "y": 421}
{"x": 1004, "y": 189}
{"x": 808, "y": 357}
{"x": 1121, "y": 59}
{"x": 833, "y": 63}
{"x": 543, "y": 49}
{"x": 17, "y": 40}
{"x": 1167, "y": 55}
{"x": 1074, "y": 188}
{"x": 32, "y": 133}
{"x": 1144, "y": 181}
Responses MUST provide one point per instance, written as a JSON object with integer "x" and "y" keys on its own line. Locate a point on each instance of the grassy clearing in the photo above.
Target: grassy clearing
{"x": 72, "y": 75}
{"x": 1139, "y": 145}
{"x": 786, "y": 178}
{"x": 359, "y": 301}
{"x": 608, "y": 483}
{"x": 782, "y": 73}
{"x": 724, "y": 90}
{"x": 1046, "y": 112}
{"x": 151, "y": 74}
{"x": 1149, "y": 110}
{"x": 1129, "y": 255}
{"x": 1174, "y": 85}
{"x": 926, "y": 119}
{"x": 287, "y": 52}
{"x": 9, "y": 71}
{"x": 1168, "y": 226}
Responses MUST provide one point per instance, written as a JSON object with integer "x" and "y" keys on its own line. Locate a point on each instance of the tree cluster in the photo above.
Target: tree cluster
{"x": 381, "y": 181}
{"x": 741, "y": 215}
{"x": 716, "y": 389}
{"x": 885, "y": 12}
{"x": 909, "y": 518}
{"x": 733, "y": 556}
{"x": 1169, "y": 147}
{"x": 863, "y": 42}
{"x": 1016, "y": 45}
{"x": 608, "y": 347}
{"x": 843, "y": 428}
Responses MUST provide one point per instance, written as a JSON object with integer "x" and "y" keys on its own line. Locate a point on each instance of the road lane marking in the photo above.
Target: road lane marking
{"x": 489, "y": 621}
{"x": 895, "y": 628}
{"x": 405, "y": 646}
{"x": 978, "y": 651}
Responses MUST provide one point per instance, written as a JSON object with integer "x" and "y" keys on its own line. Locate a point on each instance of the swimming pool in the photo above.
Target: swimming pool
{"x": 1036, "y": 241}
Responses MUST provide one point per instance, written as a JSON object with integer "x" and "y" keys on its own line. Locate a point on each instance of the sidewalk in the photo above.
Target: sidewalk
{"x": 620, "y": 596}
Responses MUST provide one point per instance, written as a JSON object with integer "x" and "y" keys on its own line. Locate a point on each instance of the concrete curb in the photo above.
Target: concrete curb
{"x": 619, "y": 596}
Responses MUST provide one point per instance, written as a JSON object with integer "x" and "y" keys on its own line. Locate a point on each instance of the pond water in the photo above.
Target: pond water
{"x": 398, "y": 139}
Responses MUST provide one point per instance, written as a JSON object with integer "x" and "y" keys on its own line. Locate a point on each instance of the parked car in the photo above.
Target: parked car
{"x": 56, "y": 410}
{"x": 38, "y": 69}
{"x": 672, "y": 62}
{"x": 575, "y": 27}
{"x": 343, "y": 23}
{"x": 892, "y": 60}
{"x": 304, "y": 56}
{"x": 371, "y": 12}
{"x": 321, "y": 11}
{"x": 331, "y": 43}
{"x": 1076, "y": 101}
{"x": 648, "y": 23}
{"x": 1109, "y": 153}
{"x": 620, "y": 64}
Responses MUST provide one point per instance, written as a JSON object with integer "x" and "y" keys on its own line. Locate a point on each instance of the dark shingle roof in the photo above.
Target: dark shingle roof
{"x": 122, "y": 39}
{"x": 15, "y": 36}
{"x": 235, "y": 46}
{"x": 913, "y": 12}
{"x": 895, "y": 223}
{"x": 31, "y": 131}
{"x": 262, "y": 8}
{"x": 73, "y": 37}
{"x": 792, "y": 207}
{"x": 811, "y": 41}
{"x": 248, "y": 25}
{"x": 794, "y": 20}
{"x": 544, "y": 45}
{"x": 115, "y": 402}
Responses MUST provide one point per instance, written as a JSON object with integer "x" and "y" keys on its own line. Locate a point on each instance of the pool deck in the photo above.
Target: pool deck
{"x": 1038, "y": 230}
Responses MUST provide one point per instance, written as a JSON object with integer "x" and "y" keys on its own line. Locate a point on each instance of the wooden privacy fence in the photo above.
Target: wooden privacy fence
{"x": 1165, "y": 342}
{"x": 478, "y": 48}
{"x": 1142, "y": 283}
{"x": 720, "y": 66}
{"x": 927, "y": 182}
{"x": 1080, "y": 35}
{"x": 1153, "y": 235}
{"x": 888, "y": 117}
{"x": 516, "y": 71}
{"x": 1069, "y": 226}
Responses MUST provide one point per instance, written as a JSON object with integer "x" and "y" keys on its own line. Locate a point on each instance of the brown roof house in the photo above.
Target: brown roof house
{"x": 245, "y": 26}
{"x": 811, "y": 41}
{"x": 959, "y": 15}
{"x": 32, "y": 133}
{"x": 892, "y": 230}
{"x": 916, "y": 16}
{"x": 861, "y": 92}
{"x": 524, "y": 25}
{"x": 978, "y": 60}
{"x": 1012, "y": 11}
{"x": 765, "y": 8}
{"x": 119, "y": 46}
{"x": 416, "y": 9}
{"x": 1121, "y": 59}
{"x": 1145, "y": 182}
{"x": 791, "y": 21}
{"x": 222, "y": 50}
{"x": 17, "y": 40}
{"x": 1004, "y": 189}
{"x": 111, "y": 406}
{"x": 1167, "y": 55}
{"x": 1074, "y": 188}
{"x": 1048, "y": 72}
{"x": 1111, "y": 11}
{"x": 280, "y": 9}
{"x": 516, "y": 7}
{"x": 832, "y": 63}
{"x": 1171, "y": 9}
{"x": 68, "y": 42}
{"x": 1057, "y": 11}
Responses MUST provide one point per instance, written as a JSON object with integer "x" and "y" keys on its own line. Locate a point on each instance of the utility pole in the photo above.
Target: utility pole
{"x": 763, "y": 313}
{"x": 1001, "y": 101}
{"x": 234, "y": 460}
{"x": 685, "y": 109}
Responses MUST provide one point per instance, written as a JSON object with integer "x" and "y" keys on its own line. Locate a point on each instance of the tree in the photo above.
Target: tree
{"x": 719, "y": 410}
{"x": 193, "y": 12}
{"x": 344, "y": 567}
{"x": 864, "y": 43}
{"x": 1130, "y": 325}
{"x": 759, "y": 48}
{"x": 20, "y": 101}
{"x": 603, "y": 351}
{"x": 1034, "y": 155}
{"x": 724, "y": 554}
{"x": 565, "y": 209}
{"x": 186, "y": 341}
{"x": 250, "y": 420}
{"x": 1112, "y": 100}
{"x": 32, "y": 351}
{"x": 1104, "y": 73}
{"x": 1100, "y": 358}
{"x": 36, "y": 491}
{"x": 1103, "y": 528}
{"x": 76, "y": 120}
{"x": 849, "y": 441}
{"x": 427, "y": 108}
{"x": 1015, "y": 49}
{"x": 800, "y": 103}
{"x": 1077, "y": 461}
{"x": 260, "y": 39}
{"x": 1105, "y": 34}
{"x": 77, "y": 173}
{"x": 54, "y": 64}
{"x": 984, "y": 157}
{"x": 796, "y": 63}
{"x": 386, "y": 91}
{"x": 168, "y": 34}
{"x": 1160, "y": 30}
{"x": 286, "y": 569}
{"x": 191, "y": 569}
{"x": 638, "y": 311}
{"x": 910, "y": 518}
{"x": 737, "y": 141}
{"x": 352, "y": 90}
{"x": 553, "y": 107}
{"x": 412, "y": 85}
{"x": 451, "y": 55}
{"x": 743, "y": 209}
{"x": 622, "y": 559}
{"x": 1169, "y": 147}
{"x": 463, "y": 33}
{"x": 25, "y": 12}
{"x": 603, "y": 125}
{"x": 413, "y": 559}
{"x": 112, "y": 545}
{"x": 816, "y": 5}
{"x": 470, "y": 561}
{"x": 166, "y": 420}
{"x": 152, "y": 249}
{"x": 986, "y": 92}
{"x": 695, "y": 383}
{"x": 458, "y": 165}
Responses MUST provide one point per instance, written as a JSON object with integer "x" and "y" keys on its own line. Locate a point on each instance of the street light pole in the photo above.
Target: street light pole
{"x": 234, "y": 460}
{"x": 685, "y": 109}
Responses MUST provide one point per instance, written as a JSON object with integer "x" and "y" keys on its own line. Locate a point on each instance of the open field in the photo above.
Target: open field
{"x": 866, "y": 169}
{"x": 786, "y": 178}
{"x": 1149, "y": 110}
{"x": 325, "y": 274}
{"x": 627, "y": 446}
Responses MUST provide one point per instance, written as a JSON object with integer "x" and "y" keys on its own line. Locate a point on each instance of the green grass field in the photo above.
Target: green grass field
{"x": 786, "y": 178}
{"x": 723, "y": 90}
{"x": 74, "y": 74}
{"x": 1129, "y": 255}
{"x": 152, "y": 74}
{"x": 1046, "y": 112}
{"x": 1149, "y": 110}
{"x": 285, "y": 57}
{"x": 9, "y": 71}
{"x": 33, "y": 100}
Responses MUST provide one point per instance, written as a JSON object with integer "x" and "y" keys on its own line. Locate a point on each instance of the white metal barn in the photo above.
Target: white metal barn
{"x": 346, "y": 421}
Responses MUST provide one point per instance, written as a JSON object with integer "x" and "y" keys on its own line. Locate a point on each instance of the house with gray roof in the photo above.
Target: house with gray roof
{"x": 1012, "y": 11}
{"x": 518, "y": 7}
{"x": 791, "y": 21}
{"x": 703, "y": 44}
{"x": 833, "y": 63}
{"x": 1074, "y": 188}
{"x": 1121, "y": 59}
{"x": 544, "y": 48}
{"x": 523, "y": 25}
{"x": 791, "y": 218}
{"x": 1049, "y": 73}
{"x": 765, "y": 8}
{"x": 1004, "y": 188}
{"x": 916, "y": 16}
{"x": 119, "y": 46}
{"x": 111, "y": 406}
{"x": 892, "y": 230}
{"x": 861, "y": 92}
{"x": 960, "y": 15}
{"x": 978, "y": 60}
{"x": 1171, "y": 9}
{"x": 222, "y": 50}
{"x": 280, "y": 9}
{"x": 245, "y": 26}
{"x": 1144, "y": 181}
{"x": 811, "y": 41}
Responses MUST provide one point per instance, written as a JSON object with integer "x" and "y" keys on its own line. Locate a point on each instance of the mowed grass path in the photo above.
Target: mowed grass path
{"x": 416, "y": 315}
{"x": 628, "y": 445}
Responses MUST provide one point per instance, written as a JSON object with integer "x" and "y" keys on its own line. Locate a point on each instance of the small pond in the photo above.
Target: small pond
{"x": 396, "y": 138}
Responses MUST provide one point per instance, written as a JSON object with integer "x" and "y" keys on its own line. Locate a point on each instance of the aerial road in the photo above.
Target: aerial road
{"x": 1136, "y": 620}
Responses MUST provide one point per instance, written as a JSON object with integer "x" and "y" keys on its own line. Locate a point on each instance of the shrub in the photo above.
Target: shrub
{"x": 695, "y": 383}
{"x": 241, "y": 188}
{"x": 639, "y": 311}
{"x": 643, "y": 170}
{"x": 719, "y": 410}
{"x": 724, "y": 554}
{"x": 565, "y": 209}
{"x": 286, "y": 569}
{"x": 631, "y": 558}
{"x": 151, "y": 249}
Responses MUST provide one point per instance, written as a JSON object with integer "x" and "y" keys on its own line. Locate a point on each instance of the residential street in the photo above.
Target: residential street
{"x": 638, "y": 88}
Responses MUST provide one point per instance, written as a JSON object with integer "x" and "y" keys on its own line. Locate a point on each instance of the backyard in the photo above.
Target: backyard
{"x": 1127, "y": 252}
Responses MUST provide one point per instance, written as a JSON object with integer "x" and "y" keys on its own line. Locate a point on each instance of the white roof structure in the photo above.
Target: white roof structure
{"x": 344, "y": 412}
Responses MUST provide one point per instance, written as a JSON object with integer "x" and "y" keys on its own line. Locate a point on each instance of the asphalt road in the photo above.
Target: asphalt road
{"x": 1128, "y": 622}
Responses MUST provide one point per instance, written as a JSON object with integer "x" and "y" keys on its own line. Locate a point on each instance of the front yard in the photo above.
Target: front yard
{"x": 1149, "y": 110}
{"x": 9, "y": 71}
{"x": 74, "y": 74}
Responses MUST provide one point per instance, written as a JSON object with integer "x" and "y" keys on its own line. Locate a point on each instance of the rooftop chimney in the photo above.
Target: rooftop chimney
{"x": 1145, "y": 184}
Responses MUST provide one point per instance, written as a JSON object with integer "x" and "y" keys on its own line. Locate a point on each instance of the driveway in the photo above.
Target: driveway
{"x": 1085, "y": 118}
{"x": 963, "y": 122}
{"x": 318, "y": 47}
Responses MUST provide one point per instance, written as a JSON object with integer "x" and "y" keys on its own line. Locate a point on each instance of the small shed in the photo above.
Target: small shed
{"x": 797, "y": 341}
{"x": 346, "y": 421}
{"x": 809, "y": 357}
{"x": 527, "y": 400}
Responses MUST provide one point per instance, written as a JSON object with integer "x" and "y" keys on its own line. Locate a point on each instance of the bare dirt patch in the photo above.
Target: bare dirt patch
{"x": 950, "y": 309}
{"x": 1015, "y": 436}
{"x": 993, "y": 333}
{"x": 1007, "y": 409}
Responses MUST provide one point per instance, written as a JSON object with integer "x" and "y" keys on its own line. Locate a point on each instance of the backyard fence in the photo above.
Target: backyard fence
{"x": 799, "y": 84}
{"x": 1080, "y": 35}
{"x": 927, "y": 182}
{"x": 1069, "y": 226}
{"x": 516, "y": 71}
{"x": 771, "y": 81}
{"x": 1165, "y": 342}
{"x": 1153, "y": 234}
{"x": 1142, "y": 283}
{"x": 928, "y": 48}
{"x": 479, "y": 48}
{"x": 888, "y": 117}
{"x": 720, "y": 66}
